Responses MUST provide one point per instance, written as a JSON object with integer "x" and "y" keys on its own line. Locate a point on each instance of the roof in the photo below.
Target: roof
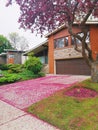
{"x": 11, "y": 50}
{"x": 3, "y": 54}
{"x": 63, "y": 26}
{"x": 38, "y": 48}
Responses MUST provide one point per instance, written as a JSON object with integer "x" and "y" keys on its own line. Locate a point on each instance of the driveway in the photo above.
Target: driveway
{"x": 14, "y": 98}
{"x": 23, "y": 94}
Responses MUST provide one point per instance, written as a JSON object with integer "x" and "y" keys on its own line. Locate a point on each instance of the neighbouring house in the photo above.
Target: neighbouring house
{"x": 12, "y": 57}
{"x": 41, "y": 51}
{"x": 62, "y": 57}
{"x": 3, "y": 58}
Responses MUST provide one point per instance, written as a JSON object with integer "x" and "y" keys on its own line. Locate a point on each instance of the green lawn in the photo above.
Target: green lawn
{"x": 69, "y": 113}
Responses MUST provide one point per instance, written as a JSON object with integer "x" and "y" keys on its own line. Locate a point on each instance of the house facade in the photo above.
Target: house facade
{"x": 3, "y": 58}
{"x": 12, "y": 57}
{"x": 41, "y": 51}
{"x": 63, "y": 58}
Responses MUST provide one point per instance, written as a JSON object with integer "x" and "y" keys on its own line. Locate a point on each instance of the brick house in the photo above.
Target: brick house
{"x": 62, "y": 57}
{"x": 58, "y": 54}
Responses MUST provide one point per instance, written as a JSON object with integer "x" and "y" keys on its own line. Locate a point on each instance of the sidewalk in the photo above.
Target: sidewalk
{"x": 12, "y": 118}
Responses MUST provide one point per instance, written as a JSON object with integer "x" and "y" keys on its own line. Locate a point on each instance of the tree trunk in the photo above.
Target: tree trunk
{"x": 94, "y": 71}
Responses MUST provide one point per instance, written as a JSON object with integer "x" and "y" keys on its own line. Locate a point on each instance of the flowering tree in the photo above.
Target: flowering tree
{"x": 41, "y": 15}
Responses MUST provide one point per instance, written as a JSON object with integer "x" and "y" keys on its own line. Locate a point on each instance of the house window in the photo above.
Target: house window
{"x": 75, "y": 40}
{"x": 11, "y": 56}
{"x": 44, "y": 59}
{"x": 61, "y": 42}
{"x": 66, "y": 41}
{"x": 88, "y": 38}
{"x": 72, "y": 40}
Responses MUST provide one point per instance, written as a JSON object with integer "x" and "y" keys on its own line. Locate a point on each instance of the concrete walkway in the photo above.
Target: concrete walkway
{"x": 14, "y": 98}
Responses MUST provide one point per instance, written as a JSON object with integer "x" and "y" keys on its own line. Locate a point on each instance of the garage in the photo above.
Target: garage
{"x": 72, "y": 66}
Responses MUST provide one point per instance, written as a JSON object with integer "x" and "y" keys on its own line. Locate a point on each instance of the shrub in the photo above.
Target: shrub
{"x": 3, "y": 80}
{"x": 3, "y": 67}
{"x": 12, "y": 78}
{"x": 41, "y": 74}
{"x": 15, "y": 68}
{"x": 33, "y": 64}
{"x": 10, "y": 71}
{"x": 26, "y": 74}
{"x": 9, "y": 78}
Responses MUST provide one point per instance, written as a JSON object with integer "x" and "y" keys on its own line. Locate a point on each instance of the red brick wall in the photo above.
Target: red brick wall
{"x": 94, "y": 39}
{"x": 51, "y": 55}
{"x": 62, "y": 33}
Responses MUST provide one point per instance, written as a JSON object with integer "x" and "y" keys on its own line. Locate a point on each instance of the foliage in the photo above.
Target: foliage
{"x": 33, "y": 64}
{"x": 18, "y": 42}
{"x": 41, "y": 74}
{"x": 4, "y": 43}
{"x": 69, "y": 113}
{"x": 26, "y": 74}
{"x": 3, "y": 66}
{"x": 12, "y": 78}
{"x": 15, "y": 68}
{"x": 16, "y": 72}
{"x": 3, "y": 80}
{"x": 9, "y": 78}
{"x": 46, "y": 15}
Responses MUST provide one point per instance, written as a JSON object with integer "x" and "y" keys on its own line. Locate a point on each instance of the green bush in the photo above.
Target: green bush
{"x": 12, "y": 79}
{"x": 9, "y": 78}
{"x": 33, "y": 64}
{"x": 15, "y": 68}
{"x": 26, "y": 74}
{"x": 3, "y": 80}
{"x": 10, "y": 71}
{"x": 41, "y": 74}
{"x": 3, "y": 67}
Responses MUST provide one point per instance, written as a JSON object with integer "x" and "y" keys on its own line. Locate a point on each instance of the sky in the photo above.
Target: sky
{"x": 9, "y": 23}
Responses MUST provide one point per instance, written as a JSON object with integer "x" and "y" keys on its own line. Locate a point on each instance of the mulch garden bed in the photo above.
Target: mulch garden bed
{"x": 81, "y": 92}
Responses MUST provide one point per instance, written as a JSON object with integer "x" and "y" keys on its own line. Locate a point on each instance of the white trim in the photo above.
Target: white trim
{"x": 36, "y": 47}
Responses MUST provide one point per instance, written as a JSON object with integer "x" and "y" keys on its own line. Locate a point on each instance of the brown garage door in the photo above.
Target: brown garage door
{"x": 72, "y": 66}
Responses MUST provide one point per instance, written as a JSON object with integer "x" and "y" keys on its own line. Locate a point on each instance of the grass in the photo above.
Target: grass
{"x": 69, "y": 113}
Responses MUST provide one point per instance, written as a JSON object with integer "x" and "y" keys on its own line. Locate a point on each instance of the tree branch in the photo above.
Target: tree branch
{"x": 75, "y": 8}
{"x": 89, "y": 13}
{"x": 76, "y": 46}
{"x": 72, "y": 33}
{"x": 87, "y": 58}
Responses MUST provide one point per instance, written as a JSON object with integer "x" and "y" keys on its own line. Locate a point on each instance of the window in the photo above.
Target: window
{"x": 72, "y": 40}
{"x": 60, "y": 43}
{"x": 75, "y": 40}
{"x": 44, "y": 59}
{"x": 66, "y": 41}
{"x": 88, "y": 38}
{"x": 11, "y": 56}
